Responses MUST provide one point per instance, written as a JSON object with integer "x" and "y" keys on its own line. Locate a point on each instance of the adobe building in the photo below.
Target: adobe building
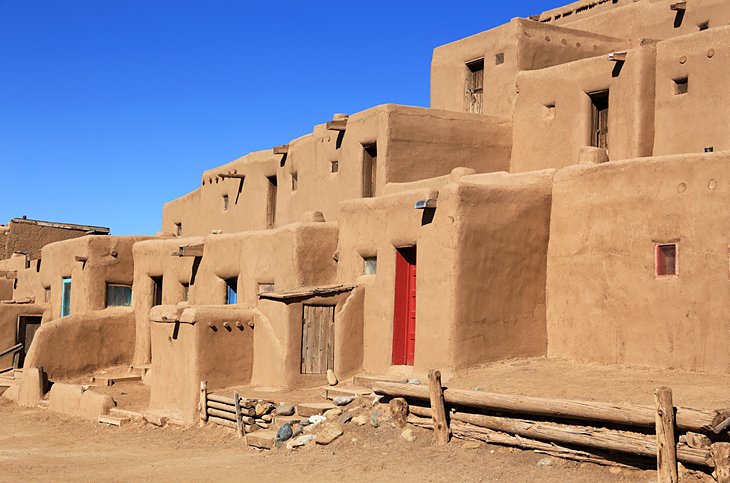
{"x": 566, "y": 195}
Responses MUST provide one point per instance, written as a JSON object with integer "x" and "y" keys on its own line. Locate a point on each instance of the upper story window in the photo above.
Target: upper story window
{"x": 369, "y": 170}
{"x": 371, "y": 266}
{"x": 185, "y": 292}
{"x": 156, "y": 291}
{"x": 681, "y": 86}
{"x": 474, "y": 86}
{"x": 231, "y": 291}
{"x": 66, "y": 296}
{"x": 118, "y": 295}
{"x": 225, "y": 202}
{"x": 271, "y": 202}
{"x": 666, "y": 260}
{"x": 599, "y": 109}
{"x": 178, "y": 229}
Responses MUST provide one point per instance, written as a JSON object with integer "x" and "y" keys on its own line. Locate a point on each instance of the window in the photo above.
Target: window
{"x": 499, "y": 59}
{"x": 294, "y": 181}
{"x": 185, "y": 292}
{"x": 369, "y": 170}
{"x": 156, "y": 291}
{"x": 371, "y": 265}
{"x": 334, "y": 166}
{"x": 225, "y": 202}
{"x": 599, "y": 134}
{"x": 118, "y": 295}
{"x": 271, "y": 202}
{"x": 703, "y": 25}
{"x": 666, "y": 260}
{"x": 47, "y": 295}
{"x": 681, "y": 86}
{"x": 178, "y": 229}
{"x": 474, "y": 86}
{"x": 231, "y": 291}
{"x": 549, "y": 111}
{"x": 66, "y": 297}
{"x": 266, "y": 287}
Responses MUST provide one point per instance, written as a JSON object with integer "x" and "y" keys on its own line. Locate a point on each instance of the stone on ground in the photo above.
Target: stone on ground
{"x": 261, "y": 439}
{"x": 302, "y": 440}
{"x": 408, "y": 435}
{"x": 331, "y": 378}
{"x": 332, "y": 414}
{"x": 544, "y": 462}
{"x": 311, "y": 409}
{"x": 330, "y": 432}
{"x": 285, "y": 409}
{"x": 361, "y": 420}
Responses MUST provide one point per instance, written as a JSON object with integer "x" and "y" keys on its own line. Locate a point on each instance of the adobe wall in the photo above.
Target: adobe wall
{"x": 526, "y": 45}
{"x": 27, "y": 236}
{"x": 412, "y": 143}
{"x": 79, "y": 344}
{"x": 634, "y": 20}
{"x": 553, "y": 115}
{"x": 9, "y": 326}
{"x": 688, "y": 123}
{"x": 604, "y": 302}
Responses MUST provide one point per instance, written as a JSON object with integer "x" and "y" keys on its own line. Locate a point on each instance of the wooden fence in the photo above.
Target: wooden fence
{"x": 242, "y": 414}
{"x": 604, "y": 433}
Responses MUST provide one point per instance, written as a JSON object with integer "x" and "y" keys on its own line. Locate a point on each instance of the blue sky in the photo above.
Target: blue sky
{"x": 109, "y": 108}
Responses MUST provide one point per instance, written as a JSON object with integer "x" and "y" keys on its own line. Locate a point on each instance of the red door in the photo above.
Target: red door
{"x": 404, "y": 318}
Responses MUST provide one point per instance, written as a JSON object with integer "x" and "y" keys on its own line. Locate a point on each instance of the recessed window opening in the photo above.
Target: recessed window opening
{"x": 65, "y": 296}
{"x": 294, "y": 181}
{"x": 118, "y": 295}
{"x": 156, "y": 291}
{"x": 666, "y": 260}
{"x": 266, "y": 287}
{"x": 370, "y": 266}
{"x": 599, "y": 109}
{"x": 549, "y": 111}
{"x": 225, "y": 202}
{"x": 271, "y": 202}
{"x": 681, "y": 86}
{"x": 369, "y": 170}
{"x": 178, "y": 229}
{"x": 47, "y": 294}
{"x": 499, "y": 59}
{"x": 231, "y": 291}
{"x": 334, "y": 166}
{"x": 703, "y": 25}
{"x": 474, "y": 88}
{"x": 185, "y": 292}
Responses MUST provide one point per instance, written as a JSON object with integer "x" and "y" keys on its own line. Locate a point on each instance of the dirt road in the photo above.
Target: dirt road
{"x": 36, "y": 445}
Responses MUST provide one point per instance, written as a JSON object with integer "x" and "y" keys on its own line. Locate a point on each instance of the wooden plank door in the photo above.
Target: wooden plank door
{"x": 27, "y": 327}
{"x": 404, "y": 307}
{"x": 318, "y": 339}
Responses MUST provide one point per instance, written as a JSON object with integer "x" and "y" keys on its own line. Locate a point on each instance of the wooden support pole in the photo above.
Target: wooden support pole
{"x": 720, "y": 453}
{"x": 666, "y": 445}
{"x": 438, "y": 408}
{"x": 204, "y": 401}
{"x": 239, "y": 423}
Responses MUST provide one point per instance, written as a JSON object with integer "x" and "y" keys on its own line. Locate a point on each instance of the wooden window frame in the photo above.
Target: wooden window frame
{"x": 660, "y": 260}
{"x": 600, "y": 103}
{"x": 474, "y": 86}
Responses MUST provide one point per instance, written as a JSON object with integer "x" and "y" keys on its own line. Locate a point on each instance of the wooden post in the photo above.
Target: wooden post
{"x": 438, "y": 410}
{"x": 720, "y": 453}
{"x": 239, "y": 423}
{"x": 204, "y": 401}
{"x": 666, "y": 444}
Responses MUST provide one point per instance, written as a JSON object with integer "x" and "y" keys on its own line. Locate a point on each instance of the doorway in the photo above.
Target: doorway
{"x": 318, "y": 339}
{"x": 404, "y": 310}
{"x": 27, "y": 327}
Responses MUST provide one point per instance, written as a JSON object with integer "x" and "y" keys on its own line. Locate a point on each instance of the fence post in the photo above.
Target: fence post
{"x": 666, "y": 444}
{"x": 203, "y": 401}
{"x": 237, "y": 405}
{"x": 438, "y": 411}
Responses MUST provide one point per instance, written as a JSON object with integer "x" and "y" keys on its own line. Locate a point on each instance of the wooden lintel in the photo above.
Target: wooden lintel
{"x": 81, "y": 259}
{"x": 617, "y": 56}
{"x": 231, "y": 175}
{"x": 337, "y": 125}
{"x": 283, "y": 149}
{"x": 34, "y": 255}
{"x": 426, "y": 204}
{"x": 678, "y": 6}
{"x": 190, "y": 251}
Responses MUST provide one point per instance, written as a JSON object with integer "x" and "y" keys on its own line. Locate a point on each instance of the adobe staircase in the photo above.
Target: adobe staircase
{"x": 9, "y": 379}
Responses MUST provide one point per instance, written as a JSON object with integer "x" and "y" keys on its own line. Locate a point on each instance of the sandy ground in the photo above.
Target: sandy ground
{"x": 36, "y": 445}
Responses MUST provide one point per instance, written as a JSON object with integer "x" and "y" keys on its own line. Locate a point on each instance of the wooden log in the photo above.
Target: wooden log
{"x": 476, "y": 433}
{"x": 720, "y": 454}
{"x": 283, "y": 149}
{"x": 204, "y": 401}
{"x": 337, "y": 125}
{"x": 399, "y": 412}
{"x": 222, "y": 422}
{"x": 666, "y": 446}
{"x": 584, "y": 436}
{"x": 222, "y": 414}
{"x": 237, "y": 405}
{"x": 624, "y": 414}
{"x": 438, "y": 408}
{"x": 232, "y": 175}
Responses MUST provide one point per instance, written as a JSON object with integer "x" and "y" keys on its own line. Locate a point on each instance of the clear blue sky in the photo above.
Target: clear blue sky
{"x": 109, "y": 108}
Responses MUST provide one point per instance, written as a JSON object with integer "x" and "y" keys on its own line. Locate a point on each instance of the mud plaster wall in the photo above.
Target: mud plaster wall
{"x": 412, "y": 143}
{"x": 646, "y": 18}
{"x": 526, "y": 45}
{"x": 503, "y": 224}
{"x": 688, "y": 123}
{"x": 601, "y": 283}
{"x": 9, "y": 326}
{"x": 28, "y": 237}
{"x": 553, "y": 116}
{"x": 79, "y": 344}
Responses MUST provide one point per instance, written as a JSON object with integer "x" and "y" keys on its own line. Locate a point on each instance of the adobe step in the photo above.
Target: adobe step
{"x": 368, "y": 381}
{"x": 331, "y": 392}
{"x": 261, "y": 439}
{"x": 108, "y": 380}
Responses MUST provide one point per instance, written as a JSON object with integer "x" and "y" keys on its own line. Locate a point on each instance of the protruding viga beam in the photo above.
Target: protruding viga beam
{"x": 624, "y": 414}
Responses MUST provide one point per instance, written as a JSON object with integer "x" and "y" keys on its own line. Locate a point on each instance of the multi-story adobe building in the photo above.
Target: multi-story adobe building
{"x": 566, "y": 195}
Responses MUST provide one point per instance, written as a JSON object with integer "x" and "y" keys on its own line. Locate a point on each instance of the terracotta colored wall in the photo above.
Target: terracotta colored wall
{"x": 526, "y": 45}
{"x": 688, "y": 123}
{"x": 80, "y": 344}
{"x": 552, "y": 140}
{"x": 601, "y": 283}
{"x": 27, "y": 237}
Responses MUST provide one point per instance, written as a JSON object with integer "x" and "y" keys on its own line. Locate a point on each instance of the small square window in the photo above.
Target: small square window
{"x": 549, "y": 111}
{"x": 334, "y": 166}
{"x": 231, "y": 291}
{"x": 118, "y": 295}
{"x": 266, "y": 287}
{"x": 499, "y": 58}
{"x": 178, "y": 229}
{"x": 294, "y": 181}
{"x": 681, "y": 85}
{"x": 225, "y": 202}
{"x": 371, "y": 266}
{"x": 666, "y": 260}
